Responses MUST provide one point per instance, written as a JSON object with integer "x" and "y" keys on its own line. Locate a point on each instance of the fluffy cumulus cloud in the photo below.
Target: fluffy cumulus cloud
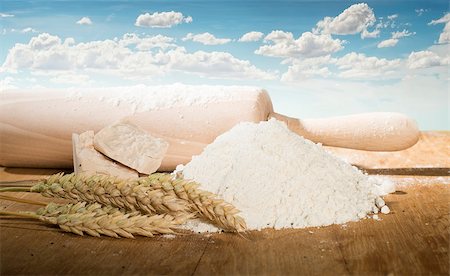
{"x": 146, "y": 43}
{"x": 444, "y": 37}
{"x": 162, "y": 19}
{"x": 352, "y": 66}
{"x": 308, "y": 68}
{"x": 84, "y": 21}
{"x": 48, "y": 52}
{"x": 370, "y": 34}
{"x": 395, "y": 37}
{"x": 221, "y": 64}
{"x": 427, "y": 59}
{"x": 283, "y": 44}
{"x": 279, "y": 36}
{"x": 206, "y": 39}
{"x": 359, "y": 66}
{"x": 391, "y": 42}
{"x": 131, "y": 56}
{"x": 251, "y": 36}
{"x": 355, "y": 19}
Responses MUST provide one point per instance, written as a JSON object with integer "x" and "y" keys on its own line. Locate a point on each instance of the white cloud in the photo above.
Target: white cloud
{"x": 352, "y": 66}
{"x": 251, "y": 36}
{"x": 162, "y": 19}
{"x": 69, "y": 41}
{"x": 420, "y": 11}
{"x": 388, "y": 23}
{"x": 206, "y": 39}
{"x": 444, "y": 37}
{"x": 131, "y": 56}
{"x": 366, "y": 34}
{"x": 5, "y": 15}
{"x": 307, "y": 45}
{"x": 23, "y": 31}
{"x": 84, "y": 21}
{"x": 296, "y": 73}
{"x": 382, "y": 24}
{"x": 395, "y": 37}
{"x": 147, "y": 43}
{"x": 279, "y": 36}
{"x": 404, "y": 33}
{"x": 427, "y": 59}
{"x": 441, "y": 50}
{"x": 353, "y": 20}
{"x": 359, "y": 66}
{"x": 221, "y": 64}
{"x": 28, "y": 30}
{"x": 44, "y": 41}
{"x": 307, "y": 69}
{"x": 444, "y": 19}
{"x": 391, "y": 42}
{"x": 392, "y": 16}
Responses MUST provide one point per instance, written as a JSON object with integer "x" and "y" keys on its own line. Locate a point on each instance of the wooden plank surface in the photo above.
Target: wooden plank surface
{"x": 413, "y": 239}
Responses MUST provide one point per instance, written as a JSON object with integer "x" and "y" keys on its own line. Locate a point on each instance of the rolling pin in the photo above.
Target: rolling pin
{"x": 36, "y": 126}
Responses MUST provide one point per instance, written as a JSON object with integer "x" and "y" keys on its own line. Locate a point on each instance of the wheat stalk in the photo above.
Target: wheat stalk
{"x": 157, "y": 193}
{"x": 22, "y": 200}
{"x": 95, "y": 220}
{"x": 207, "y": 204}
{"x": 126, "y": 194}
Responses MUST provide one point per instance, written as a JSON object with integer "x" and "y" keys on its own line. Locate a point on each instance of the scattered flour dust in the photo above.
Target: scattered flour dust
{"x": 281, "y": 180}
{"x": 142, "y": 98}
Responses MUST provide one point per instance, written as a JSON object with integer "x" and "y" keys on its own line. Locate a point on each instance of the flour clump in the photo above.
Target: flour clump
{"x": 281, "y": 180}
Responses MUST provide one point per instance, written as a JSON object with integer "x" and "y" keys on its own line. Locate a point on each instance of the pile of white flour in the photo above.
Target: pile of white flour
{"x": 280, "y": 180}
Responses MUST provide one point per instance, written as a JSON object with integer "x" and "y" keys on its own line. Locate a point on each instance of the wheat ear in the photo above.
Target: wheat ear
{"x": 207, "y": 204}
{"x": 157, "y": 193}
{"x": 95, "y": 220}
{"x": 126, "y": 194}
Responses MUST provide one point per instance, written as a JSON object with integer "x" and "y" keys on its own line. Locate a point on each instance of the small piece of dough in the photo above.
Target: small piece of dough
{"x": 86, "y": 160}
{"x": 131, "y": 146}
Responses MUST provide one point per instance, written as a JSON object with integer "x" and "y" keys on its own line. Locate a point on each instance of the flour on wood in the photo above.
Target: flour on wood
{"x": 142, "y": 98}
{"x": 281, "y": 180}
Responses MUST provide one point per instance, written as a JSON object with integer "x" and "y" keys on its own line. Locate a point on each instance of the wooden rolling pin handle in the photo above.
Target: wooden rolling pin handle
{"x": 380, "y": 131}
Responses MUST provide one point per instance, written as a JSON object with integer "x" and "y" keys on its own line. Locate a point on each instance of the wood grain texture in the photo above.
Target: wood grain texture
{"x": 412, "y": 240}
{"x": 377, "y": 131}
{"x": 432, "y": 151}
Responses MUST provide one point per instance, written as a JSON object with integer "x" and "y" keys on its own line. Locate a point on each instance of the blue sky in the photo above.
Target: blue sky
{"x": 316, "y": 58}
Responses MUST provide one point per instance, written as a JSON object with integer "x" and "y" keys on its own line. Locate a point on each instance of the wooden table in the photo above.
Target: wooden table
{"x": 412, "y": 239}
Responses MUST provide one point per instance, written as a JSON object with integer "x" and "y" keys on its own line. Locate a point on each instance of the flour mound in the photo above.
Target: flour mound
{"x": 281, "y": 180}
